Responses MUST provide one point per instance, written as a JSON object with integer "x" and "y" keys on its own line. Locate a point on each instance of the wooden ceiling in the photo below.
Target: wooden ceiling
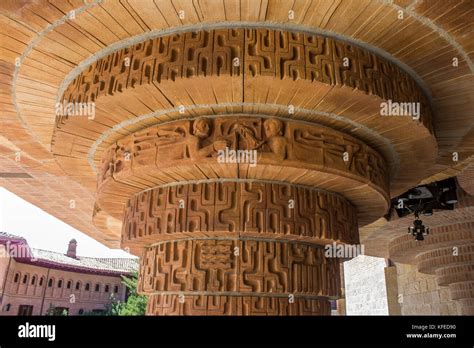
{"x": 44, "y": 46}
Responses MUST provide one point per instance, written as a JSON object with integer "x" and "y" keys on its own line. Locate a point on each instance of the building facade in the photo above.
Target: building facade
{"x": 40, "y": 282}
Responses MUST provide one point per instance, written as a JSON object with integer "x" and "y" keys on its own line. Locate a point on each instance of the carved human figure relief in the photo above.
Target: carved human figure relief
{"x": 247, "y": 138}
{"x": 144, "y": 148}
{"x": 198, "y": 144}
{"x": 108, "y": 164}
{"x": 308, "y": 145}
{"x": 275, "y": 142}
{"x": 123, "y": 156}
{"x": 188, "y": 142}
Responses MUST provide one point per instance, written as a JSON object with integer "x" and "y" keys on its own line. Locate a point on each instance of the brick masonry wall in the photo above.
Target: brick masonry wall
{"x": 4, "y": 259}
{"x": 19, "y": 293}
{"x": 421, "y": 295}
{"x": 365, "y": 286}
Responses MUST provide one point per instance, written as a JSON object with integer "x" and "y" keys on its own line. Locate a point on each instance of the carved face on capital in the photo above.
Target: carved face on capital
{"x": 202, "y": 128}
{"x": 273, "y": 127}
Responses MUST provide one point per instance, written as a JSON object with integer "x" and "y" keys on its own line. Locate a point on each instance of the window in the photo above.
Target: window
{"x": 60, "y": 283}
{"x": 7, "y": 307}
{"x": 88, "y": 286}
{"x": 50, "y": 283}
{"x": 81, "y": 311}
{"x": 116, "y": 289}
{"x": 106, "y": 288}
{"x": 78, "y": 285}
{"x": 17, "y": 278}
{"x": 41, "y": 281}
{"x": 69, "y": 284}
{"x": 25, "y": 279}
{"x": 33, "y": 280}
{"x": 97, "y": 287}
{"x": 25, "y": 310}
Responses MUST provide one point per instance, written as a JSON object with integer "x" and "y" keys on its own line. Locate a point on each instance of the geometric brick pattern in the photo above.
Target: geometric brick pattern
{"x": 405, "y": 248}
{"x": 466, "y": 178}
{"x": 429, "y": 261}
{"x": 235, "y": 305}
{"x": 447, "y": 252}
{"x": 265, "y": 52}
{"x": 233, "y": 209}
{"x": 239, "y": 246}
{"x": 216, "y": 248}
{"x": 255, "y": 275}
{"x": 462, "y": 290}
{"x": 455, "y": 274}
{"x": 463, "y": 293}
{"x": 455, "y": 268}
{"x": 236, "y": 265}
{"x": 385, "y": 239}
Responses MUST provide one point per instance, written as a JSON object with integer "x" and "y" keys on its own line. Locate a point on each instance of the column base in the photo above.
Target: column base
{"x": 241, "y": 305}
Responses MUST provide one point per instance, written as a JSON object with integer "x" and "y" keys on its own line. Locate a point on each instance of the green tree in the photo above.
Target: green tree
{"x": 55, "y": 311}
{"x": 112, "y": 308}
{"x": 135, "y": 304}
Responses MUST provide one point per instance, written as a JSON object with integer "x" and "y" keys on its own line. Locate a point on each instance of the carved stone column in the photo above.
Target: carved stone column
{"x": 238, "y": 277}
{"x": 244, "y": 242}
{"x": 219, "y": 234}
{"x": 241, "y": 248}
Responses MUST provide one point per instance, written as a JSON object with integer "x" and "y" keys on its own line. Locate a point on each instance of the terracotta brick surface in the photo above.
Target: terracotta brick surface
{"x": 71, "y": 166}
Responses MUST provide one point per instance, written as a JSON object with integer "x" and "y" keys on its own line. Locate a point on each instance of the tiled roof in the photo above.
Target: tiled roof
{"x": 5, "y": 235}
{"x": 118, "y": 265}
{"x": 86, "y": 264}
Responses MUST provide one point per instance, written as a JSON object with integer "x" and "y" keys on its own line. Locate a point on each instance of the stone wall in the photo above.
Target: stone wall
{"x": 365, "y": 286}
{"x": 421, "y": 295}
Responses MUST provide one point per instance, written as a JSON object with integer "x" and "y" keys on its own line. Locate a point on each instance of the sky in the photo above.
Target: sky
{"x": 44, "y": 231}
